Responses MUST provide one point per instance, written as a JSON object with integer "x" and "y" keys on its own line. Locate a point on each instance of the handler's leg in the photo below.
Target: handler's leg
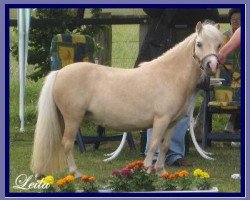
{"x": 149, "y": 136}
{"x": 177, "y": 145}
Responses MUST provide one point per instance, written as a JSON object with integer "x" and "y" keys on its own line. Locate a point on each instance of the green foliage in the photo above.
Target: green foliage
{"x": 68, "y": 187}
{"x": 50, "y": 189}
{"x": 185, "y": 183}
{"x": 90, "y": 187}
{"x": 119, "y": 184}
{"x": 143, "y": 181}
{"x": 168, "y": 185}
{"x": 41, "y": 36}
{"x": 89, "y": 184}
{"x": 202, "y": 184}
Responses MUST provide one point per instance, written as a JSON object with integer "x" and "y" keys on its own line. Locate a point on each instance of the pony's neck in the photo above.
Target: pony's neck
{"x": 184, "y": 48}
{"x": 180, "y": 60}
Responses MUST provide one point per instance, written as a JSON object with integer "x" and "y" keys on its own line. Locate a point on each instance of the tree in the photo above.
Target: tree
{"x": 40, "y": 36}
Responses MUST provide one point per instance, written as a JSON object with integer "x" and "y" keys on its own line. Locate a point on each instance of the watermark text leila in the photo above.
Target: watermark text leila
{"x": 25, "y": 182}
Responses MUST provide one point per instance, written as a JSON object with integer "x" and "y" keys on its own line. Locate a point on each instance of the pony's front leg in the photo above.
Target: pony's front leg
{"x": 68, "y": 143}
{"x": 159, "y": 128}
{"x": 159, "y": 165}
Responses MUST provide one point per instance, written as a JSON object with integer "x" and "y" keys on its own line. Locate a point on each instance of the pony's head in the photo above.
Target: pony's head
{"x": 207, "y": 44}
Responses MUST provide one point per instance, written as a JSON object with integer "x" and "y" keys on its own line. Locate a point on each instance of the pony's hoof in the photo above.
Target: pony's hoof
{"x": 39, "y": 176}
{"x": 76, "y": 174}
{"x": 159, "y": 171}
{"x": 151, "y": 170}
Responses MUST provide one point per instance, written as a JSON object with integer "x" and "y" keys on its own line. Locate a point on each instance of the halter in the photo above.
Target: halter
{"x": 200, "y": 61}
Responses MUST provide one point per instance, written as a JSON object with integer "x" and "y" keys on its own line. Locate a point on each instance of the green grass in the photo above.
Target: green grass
{"x": 124, "y": 52}
{"x": 125, "y": 47}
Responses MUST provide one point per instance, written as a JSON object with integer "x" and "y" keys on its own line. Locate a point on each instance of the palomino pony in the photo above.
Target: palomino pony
{"x": 156, "y": 94}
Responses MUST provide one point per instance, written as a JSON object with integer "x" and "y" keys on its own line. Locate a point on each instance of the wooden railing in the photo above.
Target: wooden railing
{"x": 105, "y": 37}
{"x": 112, "y": 20}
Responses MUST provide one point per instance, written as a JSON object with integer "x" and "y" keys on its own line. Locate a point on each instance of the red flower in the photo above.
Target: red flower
{"x": 116, "y": 172}
{"x": 126, "y": 172}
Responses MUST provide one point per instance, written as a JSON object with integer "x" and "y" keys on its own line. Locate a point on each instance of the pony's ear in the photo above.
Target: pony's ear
{"x": 198, "y": 27}
{"x": 217, "y": 26}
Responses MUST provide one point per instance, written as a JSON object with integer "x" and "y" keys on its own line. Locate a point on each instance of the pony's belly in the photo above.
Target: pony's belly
{"x": 120, "y": 123}
{"x": 121, "y": 115}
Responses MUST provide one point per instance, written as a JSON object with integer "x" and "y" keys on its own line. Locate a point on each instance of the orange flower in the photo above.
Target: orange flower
{"x": 130, "y": 166}
{"x": 85, "y": 178}
{"x": 140, "y": 163}
{"x": 92, "y": 179}
{"x": 69, "y": 179}
{"x": 183, "y": 173}
{"x": 60, "y": 182}
{"x": 172, "y": 177}
{"x": 135, "y": 165}
{"x": 88, "y": 179}
{"x": 175, "y": 175}
{"x": 165, "y": 175}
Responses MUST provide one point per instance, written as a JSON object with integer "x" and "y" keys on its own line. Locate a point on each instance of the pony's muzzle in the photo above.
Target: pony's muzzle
{"x": 212, "y": 63}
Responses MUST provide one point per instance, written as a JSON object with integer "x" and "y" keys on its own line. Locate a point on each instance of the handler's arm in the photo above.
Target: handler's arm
{"x": 230, "y": 46}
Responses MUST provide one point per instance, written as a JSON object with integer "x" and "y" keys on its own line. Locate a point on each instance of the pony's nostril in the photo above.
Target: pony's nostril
{"x": 212, "y": 66}
{"x": 208, "y": 64}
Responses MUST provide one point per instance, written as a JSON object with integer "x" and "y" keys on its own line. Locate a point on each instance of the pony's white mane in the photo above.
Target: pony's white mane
{"x": 187, "y": 41}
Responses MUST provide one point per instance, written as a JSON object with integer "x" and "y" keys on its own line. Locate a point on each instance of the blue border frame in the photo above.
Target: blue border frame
{"x": 242, "y": 193}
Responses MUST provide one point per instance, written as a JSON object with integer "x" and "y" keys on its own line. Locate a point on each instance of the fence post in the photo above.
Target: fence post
{"x": 143, "y": 29}
{"x": 104, "y": 37}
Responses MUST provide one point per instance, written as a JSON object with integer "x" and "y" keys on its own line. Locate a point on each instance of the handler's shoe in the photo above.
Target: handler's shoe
{"x": 235, "y": 144}
{"x": 181, "y": 163}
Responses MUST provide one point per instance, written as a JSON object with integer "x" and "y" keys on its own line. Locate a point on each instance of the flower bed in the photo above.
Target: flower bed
{"x": 135, "y": 178}
{"x": 67, "y": 184}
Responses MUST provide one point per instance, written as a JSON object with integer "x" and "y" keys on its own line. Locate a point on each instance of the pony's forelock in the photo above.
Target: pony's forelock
{"x": 211, "y": 31}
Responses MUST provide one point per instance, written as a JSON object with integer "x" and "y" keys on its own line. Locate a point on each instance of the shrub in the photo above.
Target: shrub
{"x": 133, "y": 177}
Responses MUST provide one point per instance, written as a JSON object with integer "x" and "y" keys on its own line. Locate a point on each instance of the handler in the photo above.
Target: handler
{"x": 167, "y": 28}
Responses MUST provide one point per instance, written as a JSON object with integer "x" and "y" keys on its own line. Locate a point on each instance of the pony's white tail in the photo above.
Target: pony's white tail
{"x": 116, "y": 153}
{"x": 203, "y": 153}
{"x": 48, "y": 154}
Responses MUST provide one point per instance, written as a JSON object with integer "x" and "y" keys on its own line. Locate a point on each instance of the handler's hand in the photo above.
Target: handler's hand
{"x": 222, "y": 58}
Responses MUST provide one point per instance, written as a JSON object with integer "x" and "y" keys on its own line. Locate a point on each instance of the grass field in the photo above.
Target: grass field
{"x": 124, "y": 52}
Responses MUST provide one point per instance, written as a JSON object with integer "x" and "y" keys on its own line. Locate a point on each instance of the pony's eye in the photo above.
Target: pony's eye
{"x": 219, "y": 46}
{"x": 199, "y": 44}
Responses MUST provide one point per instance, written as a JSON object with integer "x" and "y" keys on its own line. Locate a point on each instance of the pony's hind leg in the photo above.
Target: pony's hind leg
{"x": 68, "y": 140}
